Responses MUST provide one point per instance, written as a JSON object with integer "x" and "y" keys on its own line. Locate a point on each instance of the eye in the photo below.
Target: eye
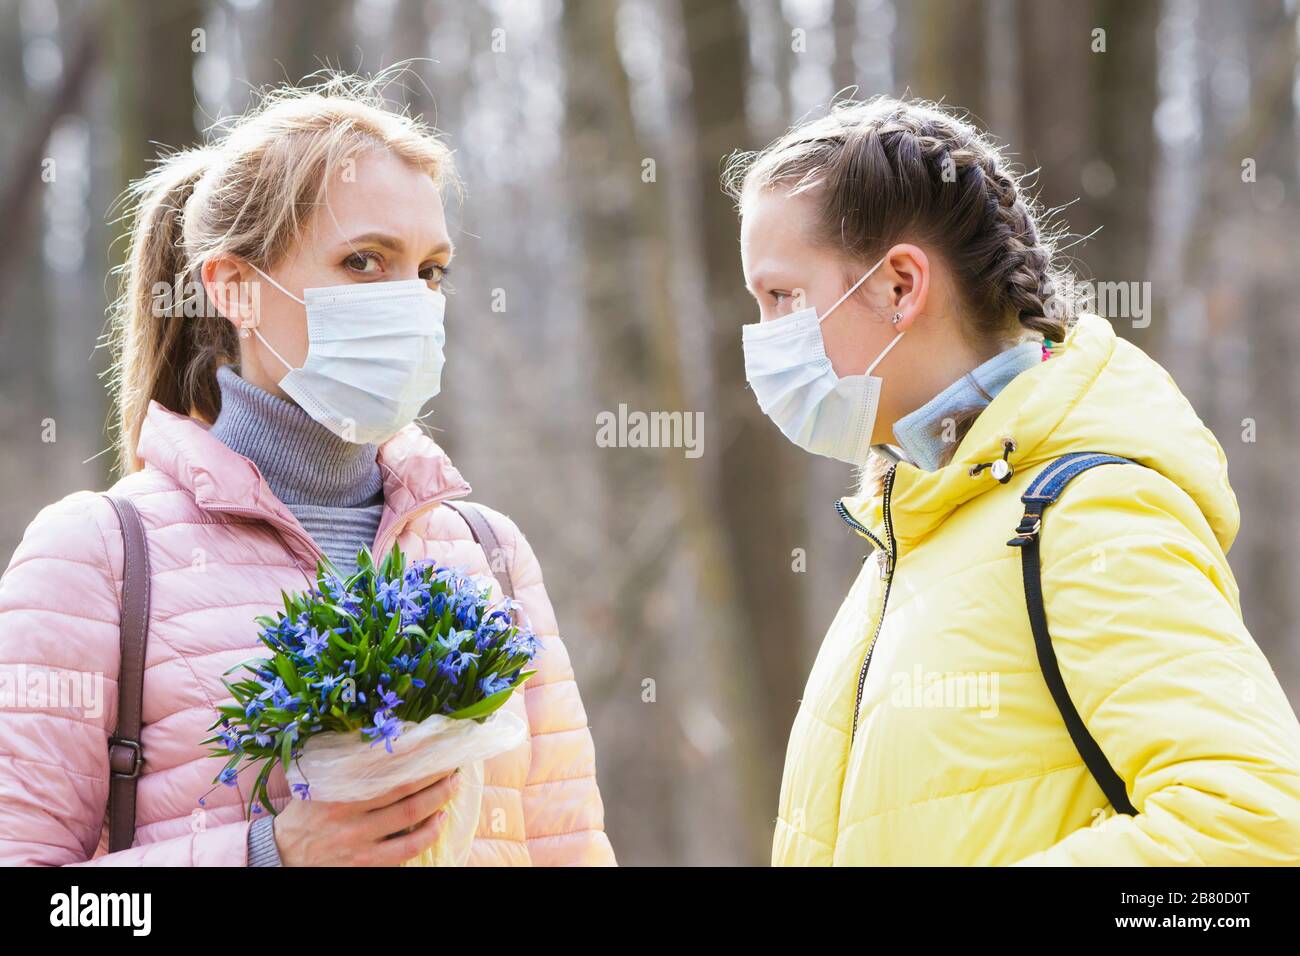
{"x": 361, "y": 261}
{"x": 435, "y": 272}
{"x": 778, "y": 296}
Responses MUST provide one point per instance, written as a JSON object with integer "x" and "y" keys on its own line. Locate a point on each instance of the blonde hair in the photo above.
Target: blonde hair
{"x": 249, "y": 192}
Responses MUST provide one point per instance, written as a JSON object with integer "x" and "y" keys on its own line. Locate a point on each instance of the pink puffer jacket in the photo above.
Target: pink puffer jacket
{"x": 222, "y": 548}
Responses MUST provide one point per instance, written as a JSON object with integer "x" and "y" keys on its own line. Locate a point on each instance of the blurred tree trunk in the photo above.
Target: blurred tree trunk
{"x": 1266, "y": 325}
{"x": 303, "y": 36}
{"x": 844, "y": 25}
{"x": 760, "y": 481}
{"x": 1054, "y": 136}
{"x": 153, "y": 72}
{"x": 1119, "y": 174}
{"x": 603, "y": 177}
{"x": 947, "y": 48}
{"x": 640, "y": 364}
{"x": 27, "y": 393}
{"x": 413, "y": 26}
{"x": 18, "y": 203}
{"x": 782, "y": 65}
{"x": 153, "y": 67}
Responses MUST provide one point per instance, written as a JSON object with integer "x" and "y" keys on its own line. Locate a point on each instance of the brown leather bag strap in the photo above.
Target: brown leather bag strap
{"x": 125, "y": 754}
{"x": 483, "y": 533}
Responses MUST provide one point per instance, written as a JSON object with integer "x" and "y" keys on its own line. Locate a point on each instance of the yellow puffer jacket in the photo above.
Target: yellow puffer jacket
{"x": 960, "y": 756}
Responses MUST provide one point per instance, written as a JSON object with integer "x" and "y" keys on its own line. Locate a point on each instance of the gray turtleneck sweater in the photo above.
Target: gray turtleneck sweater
{"x": 333, "y": 487}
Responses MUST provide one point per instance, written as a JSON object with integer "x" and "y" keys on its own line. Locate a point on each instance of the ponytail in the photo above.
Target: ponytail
{"x": 166, "y": 349}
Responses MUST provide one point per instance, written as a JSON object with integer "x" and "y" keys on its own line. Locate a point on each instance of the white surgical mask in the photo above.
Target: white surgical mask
{"x": 374, "y": 356}
{"x": 796, "y": 387}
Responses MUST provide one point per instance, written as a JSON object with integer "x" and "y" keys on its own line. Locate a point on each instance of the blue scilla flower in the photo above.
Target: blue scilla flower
{"x": 387, "y": 699}
{"x": 416, "y": 570}
{"x": 492, "y": 684}
{"x": 453, "y": 639}
{"x": 293, "y": 630}
{"x": 228, "y": 777}
{"x": 489, "y": 632}
{"x": 524, "y": 642}
{"x": 334, "y": 588}
{"x": 338, "y": 593}
{"x": 387, "y": 728}
{"x": 315, "y": 644}
{"x": 438, "y": 604}
{"x": 231, "y": 740}
{"x": 301, "y": 790}
{"x": 454, "y": 664}
{"x": 327, "y": 683}
{"x": 410, "y": 614}
{"x": 388, "y": 594}
{"x": 279, "y": 695}
{"x": 253, "y": 708}
{"x": 264, "y": 739}
{"x": 413, "y": 580}
{"x": 275, "y": 691}
{"x": 467, "y": 608}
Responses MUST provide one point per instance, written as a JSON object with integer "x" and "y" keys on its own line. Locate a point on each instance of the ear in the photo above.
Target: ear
{"x": 227, "y": 282}
{"x": 909, "y": 269}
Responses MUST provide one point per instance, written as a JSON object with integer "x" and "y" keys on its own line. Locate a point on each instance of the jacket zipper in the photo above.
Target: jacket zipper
{"x": 887, "y": 572}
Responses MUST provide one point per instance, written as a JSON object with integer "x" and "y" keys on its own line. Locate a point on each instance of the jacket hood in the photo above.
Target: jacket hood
{"x": 416, "y": 471}
{"x": 1097, "y": 392}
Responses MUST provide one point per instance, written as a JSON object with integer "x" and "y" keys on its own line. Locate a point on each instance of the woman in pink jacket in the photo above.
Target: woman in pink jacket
{"x": 264, "y": 424}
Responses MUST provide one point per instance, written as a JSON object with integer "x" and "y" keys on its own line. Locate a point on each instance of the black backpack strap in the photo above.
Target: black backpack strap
{"x": 1043, "y": 490}
{"x": 125, "y": 752}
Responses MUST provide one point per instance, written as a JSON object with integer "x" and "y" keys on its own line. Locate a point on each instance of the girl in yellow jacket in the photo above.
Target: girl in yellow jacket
{"x": 909, "y": 298}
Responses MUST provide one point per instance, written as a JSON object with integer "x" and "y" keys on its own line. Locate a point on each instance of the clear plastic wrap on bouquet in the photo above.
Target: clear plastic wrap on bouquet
{"x": 346, "y": 768}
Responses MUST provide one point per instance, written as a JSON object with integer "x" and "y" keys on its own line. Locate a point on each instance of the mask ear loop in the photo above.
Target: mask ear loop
{"x": 879, "y": 358}
{"x": 270, "y": 348}
{"x": 854, "y": 288}
{"x": 277, "y": 285}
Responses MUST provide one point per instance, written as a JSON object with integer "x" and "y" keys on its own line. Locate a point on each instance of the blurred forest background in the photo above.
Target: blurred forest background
{"x": 588, "y": 277}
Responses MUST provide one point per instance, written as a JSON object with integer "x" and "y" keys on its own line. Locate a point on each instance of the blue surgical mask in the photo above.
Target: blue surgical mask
{"x": 374, "y": 356}
{"x": 921, "y": 434}
{"x": 796, "y": 386}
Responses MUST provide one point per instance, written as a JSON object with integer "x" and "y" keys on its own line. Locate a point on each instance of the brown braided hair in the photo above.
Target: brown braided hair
{"x": 886, "y": 170}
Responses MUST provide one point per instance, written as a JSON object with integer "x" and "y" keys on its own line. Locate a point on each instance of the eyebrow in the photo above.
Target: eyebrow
{"x": 392, "y": 243}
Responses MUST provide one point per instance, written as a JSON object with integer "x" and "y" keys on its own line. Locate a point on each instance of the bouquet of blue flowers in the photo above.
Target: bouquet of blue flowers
{"x": 392, "y": 675}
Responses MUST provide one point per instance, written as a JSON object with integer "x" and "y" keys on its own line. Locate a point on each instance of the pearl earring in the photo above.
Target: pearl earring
{"x": 898, "y": 317}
